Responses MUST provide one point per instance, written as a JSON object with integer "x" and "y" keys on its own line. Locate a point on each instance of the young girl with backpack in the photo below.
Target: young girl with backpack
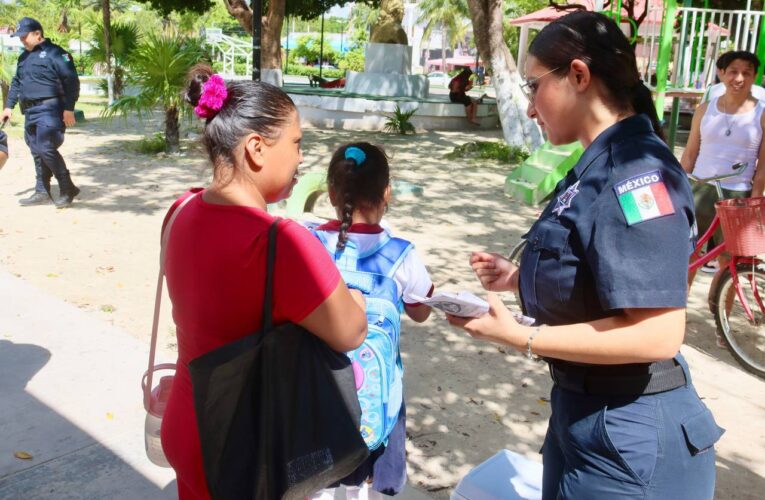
{"x": 389, "y": 273}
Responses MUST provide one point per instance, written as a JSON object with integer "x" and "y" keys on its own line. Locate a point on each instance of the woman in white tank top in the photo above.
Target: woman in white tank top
{"x": 724, "y": 131}
{"x": 729, "y": 129}
{"x": 728, "y": 138}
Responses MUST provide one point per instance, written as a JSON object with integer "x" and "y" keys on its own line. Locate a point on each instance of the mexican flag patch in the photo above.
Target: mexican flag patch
{"x": 644, "y": 197}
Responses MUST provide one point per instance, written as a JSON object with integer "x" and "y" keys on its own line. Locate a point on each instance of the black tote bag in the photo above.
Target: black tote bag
{"x": 277, "y": 411}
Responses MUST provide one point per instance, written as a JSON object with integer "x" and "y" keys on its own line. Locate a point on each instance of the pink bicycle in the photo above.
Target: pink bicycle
{"x": 737, "y": 294}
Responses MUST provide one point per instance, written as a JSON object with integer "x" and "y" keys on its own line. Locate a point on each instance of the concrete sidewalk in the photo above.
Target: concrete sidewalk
{"x": 71, "y": 399}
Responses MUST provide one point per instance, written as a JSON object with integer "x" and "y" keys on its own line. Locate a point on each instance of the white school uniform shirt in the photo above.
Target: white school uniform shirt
{"x": 411, "y": 277}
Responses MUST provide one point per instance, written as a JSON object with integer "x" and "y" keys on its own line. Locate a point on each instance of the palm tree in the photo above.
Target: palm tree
{"x": 362, "y": 18}
{"x": 159, "y": 66}
{"x": 450, "y": 17}
{"x": 124, "y": 38}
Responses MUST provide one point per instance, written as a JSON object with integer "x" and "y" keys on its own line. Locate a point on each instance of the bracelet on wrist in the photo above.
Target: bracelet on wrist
{"x": 529, "y": 353}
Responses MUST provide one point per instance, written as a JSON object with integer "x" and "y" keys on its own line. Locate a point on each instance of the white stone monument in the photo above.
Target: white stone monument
{"x": 387, "y": 73}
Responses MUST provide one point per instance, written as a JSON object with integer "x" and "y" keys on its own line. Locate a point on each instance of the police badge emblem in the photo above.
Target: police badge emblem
{"x": 564, "y": 201}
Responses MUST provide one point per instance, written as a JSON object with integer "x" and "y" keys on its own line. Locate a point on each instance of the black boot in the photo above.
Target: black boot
{"x": 66, "y": 197}
{"x": 37, "y": 198}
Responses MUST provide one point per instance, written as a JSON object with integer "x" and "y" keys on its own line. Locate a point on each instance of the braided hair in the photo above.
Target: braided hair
{"x": 358, "y": 176}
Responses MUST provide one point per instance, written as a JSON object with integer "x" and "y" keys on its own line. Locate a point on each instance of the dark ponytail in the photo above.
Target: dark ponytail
{"x": 597, "y": 41}
{"x": 642, "y": 102}
{"x": 249, "y": 107}
{"x": 357, "y": 181}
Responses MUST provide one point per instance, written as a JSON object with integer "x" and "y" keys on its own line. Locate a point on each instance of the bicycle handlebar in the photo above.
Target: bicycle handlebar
{"x": 736, "y": 168}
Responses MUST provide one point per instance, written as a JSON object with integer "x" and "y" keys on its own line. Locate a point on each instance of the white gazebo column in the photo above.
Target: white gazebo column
{"x": 522, "y": 47}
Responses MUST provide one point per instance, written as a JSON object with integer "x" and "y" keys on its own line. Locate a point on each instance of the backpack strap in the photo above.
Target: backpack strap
{"x": 390, "y": 256}
{"x": 384, "y": 258}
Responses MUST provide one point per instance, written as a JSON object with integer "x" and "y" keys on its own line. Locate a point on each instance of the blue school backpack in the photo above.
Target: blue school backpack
{"x": 376, "y": 363}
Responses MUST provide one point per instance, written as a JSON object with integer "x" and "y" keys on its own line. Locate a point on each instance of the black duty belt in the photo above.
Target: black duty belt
{"x": 619, "y": 380}
{"x": 26, "y": 104}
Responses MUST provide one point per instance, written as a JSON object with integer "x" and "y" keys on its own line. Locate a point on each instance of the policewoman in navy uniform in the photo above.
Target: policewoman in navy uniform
{"x": 604, "y": 275}
{"x": 46, "y": 86}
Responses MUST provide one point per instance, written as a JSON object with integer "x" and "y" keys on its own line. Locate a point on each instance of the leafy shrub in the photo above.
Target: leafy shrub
{"x": 489, "y": 150}
{"x": 301, "y": 70}
{"x": 152, "y": 144}
{"x": 309, "y": 48}
{"x": 353, "y": 60}
{"x": 400, "y": 122}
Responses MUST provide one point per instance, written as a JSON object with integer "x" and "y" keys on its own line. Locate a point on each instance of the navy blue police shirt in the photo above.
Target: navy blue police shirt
{"x": 617, "y": 233}
{"x": 44, "y": 72}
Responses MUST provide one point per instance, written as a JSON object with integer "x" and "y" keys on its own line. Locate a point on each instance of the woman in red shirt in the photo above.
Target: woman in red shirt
{"x": 216, "y": 254}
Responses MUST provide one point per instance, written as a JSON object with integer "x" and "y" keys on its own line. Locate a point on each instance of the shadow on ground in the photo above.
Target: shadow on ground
{"x": 64, "y": 461}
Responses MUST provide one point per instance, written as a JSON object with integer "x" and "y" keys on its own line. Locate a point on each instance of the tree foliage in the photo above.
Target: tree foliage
{"x": 309, "y": 47}
{"x": 165, "y": 7}
{"x": 305, "y": 9}
{"x": 450, "y": 17}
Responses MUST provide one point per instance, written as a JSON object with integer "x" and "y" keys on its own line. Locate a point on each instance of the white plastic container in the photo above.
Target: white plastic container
{"x": 505, "y": 476}
{"x": 153, "y": 423}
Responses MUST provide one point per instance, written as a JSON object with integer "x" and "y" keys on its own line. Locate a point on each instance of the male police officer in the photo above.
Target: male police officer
{"x": 47, "y": 86}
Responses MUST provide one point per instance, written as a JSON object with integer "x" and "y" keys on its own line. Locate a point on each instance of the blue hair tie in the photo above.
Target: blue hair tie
{"x": 355, "y": 154}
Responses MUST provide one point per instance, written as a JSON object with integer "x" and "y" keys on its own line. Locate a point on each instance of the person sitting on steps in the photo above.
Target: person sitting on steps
{"x": 458, "y": 87}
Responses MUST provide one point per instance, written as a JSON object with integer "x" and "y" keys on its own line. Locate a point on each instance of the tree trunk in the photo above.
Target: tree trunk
{"x": 271, "y": 55}
{"x": 118, "y": 82}
{"x": 106, "y": 9}
{"x": 517, "y": 128}
{"x": 63, "y": 26}
{"x": 172, "y": 132}
{"x": 271, "y": 58}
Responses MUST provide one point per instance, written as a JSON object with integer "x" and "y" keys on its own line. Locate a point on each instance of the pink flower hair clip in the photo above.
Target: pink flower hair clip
{"x": 214, "y": 94}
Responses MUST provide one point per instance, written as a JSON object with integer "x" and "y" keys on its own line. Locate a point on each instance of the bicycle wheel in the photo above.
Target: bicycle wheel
{"x": 745, "y": 338}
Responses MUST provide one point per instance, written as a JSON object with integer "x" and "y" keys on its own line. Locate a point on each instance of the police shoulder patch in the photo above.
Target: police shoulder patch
{"x": 644, "y": 197}
{"x": 67, "y": 56}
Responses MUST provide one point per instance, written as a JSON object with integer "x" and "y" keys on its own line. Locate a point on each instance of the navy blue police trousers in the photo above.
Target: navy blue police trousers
{"x": 44, "y": 134}
{"x": 656, "y": 446}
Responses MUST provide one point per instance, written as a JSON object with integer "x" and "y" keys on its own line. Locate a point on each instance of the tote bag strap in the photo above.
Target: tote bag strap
{"x": 268, "y": 297}
{"x": 148, "y": 377}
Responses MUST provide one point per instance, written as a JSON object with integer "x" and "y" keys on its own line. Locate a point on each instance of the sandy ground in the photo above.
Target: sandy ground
{"x": 466, "y": 399}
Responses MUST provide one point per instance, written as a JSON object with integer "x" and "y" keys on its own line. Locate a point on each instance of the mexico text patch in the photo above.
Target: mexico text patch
{"x": 644, "y": 197}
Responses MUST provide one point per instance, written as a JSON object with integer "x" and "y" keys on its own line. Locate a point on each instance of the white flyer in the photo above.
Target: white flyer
{"x": 465, "y": 304}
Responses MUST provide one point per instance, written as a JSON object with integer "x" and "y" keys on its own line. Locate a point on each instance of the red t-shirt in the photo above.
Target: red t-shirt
{"x": 215, "y": 269}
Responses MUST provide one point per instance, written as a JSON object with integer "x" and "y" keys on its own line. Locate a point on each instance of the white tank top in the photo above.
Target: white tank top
{"x": 718, "y": 151}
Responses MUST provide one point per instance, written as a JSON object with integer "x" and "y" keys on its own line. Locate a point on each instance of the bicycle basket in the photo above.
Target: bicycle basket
{"x": 743, "y": 225}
